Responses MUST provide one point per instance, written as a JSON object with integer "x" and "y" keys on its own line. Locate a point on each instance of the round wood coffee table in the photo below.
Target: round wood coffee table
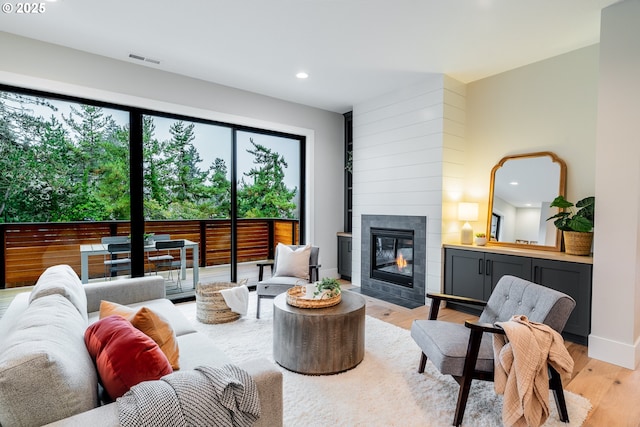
{"x": 319, "y": 341}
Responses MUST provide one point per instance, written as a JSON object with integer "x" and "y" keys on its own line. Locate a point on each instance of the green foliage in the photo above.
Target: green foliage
{"x": 580, "y": 219}
{"x": 332, "y": 286}
{"x": 77, "y": 168}
{"x": 267, "y": 196}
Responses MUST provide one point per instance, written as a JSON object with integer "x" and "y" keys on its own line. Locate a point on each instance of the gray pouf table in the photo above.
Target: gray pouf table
{"x": 319, "y": 341}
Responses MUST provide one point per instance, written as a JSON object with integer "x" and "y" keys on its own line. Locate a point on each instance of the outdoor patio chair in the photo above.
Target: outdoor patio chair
{"x": 118, "y": 259}
{"x": 160, "y": 254}
{"x": 466, "y": 351}
{"x": 288, "y": 275}
{"x": 168, "y": 262}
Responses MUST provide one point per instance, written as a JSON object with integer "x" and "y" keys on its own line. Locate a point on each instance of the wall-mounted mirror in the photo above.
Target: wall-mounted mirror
{"x": 522, "y": 188}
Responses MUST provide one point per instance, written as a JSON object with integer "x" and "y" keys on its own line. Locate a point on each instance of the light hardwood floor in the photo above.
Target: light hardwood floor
{"x": 614, "y": 392}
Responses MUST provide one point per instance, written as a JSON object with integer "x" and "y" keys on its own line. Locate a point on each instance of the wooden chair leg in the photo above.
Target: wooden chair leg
{"x": 555, "y": 384}
{"x": 475, "y": 337}
{"x": 423, "y": 363}
{"x": 463, "y": 395}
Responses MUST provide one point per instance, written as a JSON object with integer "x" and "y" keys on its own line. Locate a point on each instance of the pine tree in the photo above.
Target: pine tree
{"x": 220, "y": 189}
{"x": 267, "y": 196}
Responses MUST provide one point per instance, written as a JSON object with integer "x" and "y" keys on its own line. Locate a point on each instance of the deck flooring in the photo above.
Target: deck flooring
{"x": 222, "y": 273}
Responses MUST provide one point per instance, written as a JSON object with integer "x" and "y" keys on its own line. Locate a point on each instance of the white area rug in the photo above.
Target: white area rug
{"x": 384, "y": 390}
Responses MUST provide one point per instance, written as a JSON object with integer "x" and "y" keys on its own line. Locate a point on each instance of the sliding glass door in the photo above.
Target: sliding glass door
{"x": 76, "y": 174}
{"x": 187, "y": 195}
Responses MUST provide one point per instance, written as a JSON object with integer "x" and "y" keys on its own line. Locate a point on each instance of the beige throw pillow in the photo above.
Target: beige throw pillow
{"x": 292, "y": 263}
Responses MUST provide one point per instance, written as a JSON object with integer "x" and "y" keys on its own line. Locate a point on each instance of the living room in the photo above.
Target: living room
{"x": 579, "y": 105}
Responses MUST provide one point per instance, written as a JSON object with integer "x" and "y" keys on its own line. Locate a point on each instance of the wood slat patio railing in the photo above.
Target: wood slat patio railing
{"x": 29, "y": 248}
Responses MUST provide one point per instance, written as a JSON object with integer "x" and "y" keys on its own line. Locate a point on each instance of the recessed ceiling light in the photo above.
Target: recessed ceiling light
{"x": 302, "y": 75}
{"x": 513, "y": 183}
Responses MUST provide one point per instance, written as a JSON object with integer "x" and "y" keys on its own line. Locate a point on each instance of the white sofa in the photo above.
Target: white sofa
{"x": 47, "y": 374}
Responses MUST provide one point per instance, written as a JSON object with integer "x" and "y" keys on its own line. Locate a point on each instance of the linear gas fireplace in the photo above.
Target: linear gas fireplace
{"x": 394, "y": 258}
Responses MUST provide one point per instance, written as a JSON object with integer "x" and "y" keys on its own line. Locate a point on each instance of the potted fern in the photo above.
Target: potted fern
{"x": 576, "y": 222}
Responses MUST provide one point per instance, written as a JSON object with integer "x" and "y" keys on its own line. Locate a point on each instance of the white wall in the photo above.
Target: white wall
{"x": 402, "y": 142}
{"x": 615, "y": 331}
{"x": 37, "y": 65}
{"x": 550, "y": 105}
{"x": 528, "y": 224}
{"x": 583, "y": 106}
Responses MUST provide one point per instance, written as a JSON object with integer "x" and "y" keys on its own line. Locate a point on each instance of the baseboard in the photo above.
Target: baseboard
{"x": 615, "y": 352}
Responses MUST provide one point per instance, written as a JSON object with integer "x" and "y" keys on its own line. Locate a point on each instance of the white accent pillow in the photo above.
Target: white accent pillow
{"x": 292, "y": 263}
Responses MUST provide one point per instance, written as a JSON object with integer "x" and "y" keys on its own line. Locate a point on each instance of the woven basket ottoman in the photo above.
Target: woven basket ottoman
{"x": 210, "y": 304}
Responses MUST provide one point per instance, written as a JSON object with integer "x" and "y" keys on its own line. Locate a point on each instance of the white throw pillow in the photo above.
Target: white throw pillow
{"x": 292, "y": 263}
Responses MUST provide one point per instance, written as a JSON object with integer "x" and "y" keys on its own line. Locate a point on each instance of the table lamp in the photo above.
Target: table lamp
{"x": 467, "y": 212}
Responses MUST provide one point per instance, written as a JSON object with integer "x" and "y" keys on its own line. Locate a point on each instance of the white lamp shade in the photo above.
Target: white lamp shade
{"x": 467, "y": 211}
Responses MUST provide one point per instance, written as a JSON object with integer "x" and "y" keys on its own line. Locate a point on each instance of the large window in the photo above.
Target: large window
{"x": 187, "y": 169}
{"x": 73, "y": 171}
{"x": 62, "y": 161}
{"x": 269, "y": 176}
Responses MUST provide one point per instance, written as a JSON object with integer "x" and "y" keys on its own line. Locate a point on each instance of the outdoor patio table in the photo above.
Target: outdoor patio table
{"x": 101, "y": 249}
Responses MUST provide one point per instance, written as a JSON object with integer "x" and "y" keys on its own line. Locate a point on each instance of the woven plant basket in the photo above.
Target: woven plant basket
{"x": 577, "y": 242}
{"x": 210, "y": 304}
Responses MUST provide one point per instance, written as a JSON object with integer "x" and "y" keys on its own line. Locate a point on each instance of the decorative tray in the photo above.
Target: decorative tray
{"x": 296, "y": 297}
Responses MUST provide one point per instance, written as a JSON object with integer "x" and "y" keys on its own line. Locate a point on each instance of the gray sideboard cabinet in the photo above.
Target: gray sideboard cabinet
{"x": 573, "y": 279}
{"x": 474, "y": 274}
{"x": 474, "y": 271}
{"x": 344, "y": 255}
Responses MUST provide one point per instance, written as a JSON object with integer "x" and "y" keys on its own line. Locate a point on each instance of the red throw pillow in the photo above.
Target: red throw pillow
{"x": 151, "y": 324}
{"x": 124, "y": 356}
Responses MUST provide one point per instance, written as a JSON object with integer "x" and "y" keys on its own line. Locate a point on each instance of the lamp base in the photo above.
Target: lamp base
{"x": 466, "y": 235}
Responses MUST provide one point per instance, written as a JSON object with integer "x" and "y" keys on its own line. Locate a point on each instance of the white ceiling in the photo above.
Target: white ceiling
{"x": 353, "y": 50}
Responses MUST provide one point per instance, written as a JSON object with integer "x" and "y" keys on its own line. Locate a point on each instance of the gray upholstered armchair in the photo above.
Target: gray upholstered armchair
{"x": 287, "y": 274}
{"x": 466, "y": 352}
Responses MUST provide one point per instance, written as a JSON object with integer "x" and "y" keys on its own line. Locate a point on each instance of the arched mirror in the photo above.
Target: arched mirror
{"x": 522, "y": 188}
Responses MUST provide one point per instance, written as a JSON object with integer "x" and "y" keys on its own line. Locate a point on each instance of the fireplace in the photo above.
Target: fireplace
{"x": 394, "y": 258}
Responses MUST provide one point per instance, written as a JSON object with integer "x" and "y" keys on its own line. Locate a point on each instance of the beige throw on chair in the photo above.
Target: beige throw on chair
{"x": 520, "y": 372}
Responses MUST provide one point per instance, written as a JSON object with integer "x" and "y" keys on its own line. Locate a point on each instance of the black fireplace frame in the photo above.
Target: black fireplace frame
{"x": 385, "y": 276}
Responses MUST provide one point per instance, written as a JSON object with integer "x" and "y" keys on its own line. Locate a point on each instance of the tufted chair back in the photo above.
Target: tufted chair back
{"x": 515, "y": 296}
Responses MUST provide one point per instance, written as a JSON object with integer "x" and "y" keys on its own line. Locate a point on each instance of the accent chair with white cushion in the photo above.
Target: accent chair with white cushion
{"x": 293, "y": 265}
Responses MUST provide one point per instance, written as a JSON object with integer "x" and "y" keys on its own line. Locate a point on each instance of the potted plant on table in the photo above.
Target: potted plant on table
{"x": 481, "y": 239}
{"x": 576, "y": 222}
{"x": 327, "y": 288}
{"x": 148, "y": 238}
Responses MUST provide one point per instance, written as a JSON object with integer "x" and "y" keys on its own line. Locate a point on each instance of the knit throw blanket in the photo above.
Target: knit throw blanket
{"x": 206, "y": 396}
{"x": 520, "y": 369}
